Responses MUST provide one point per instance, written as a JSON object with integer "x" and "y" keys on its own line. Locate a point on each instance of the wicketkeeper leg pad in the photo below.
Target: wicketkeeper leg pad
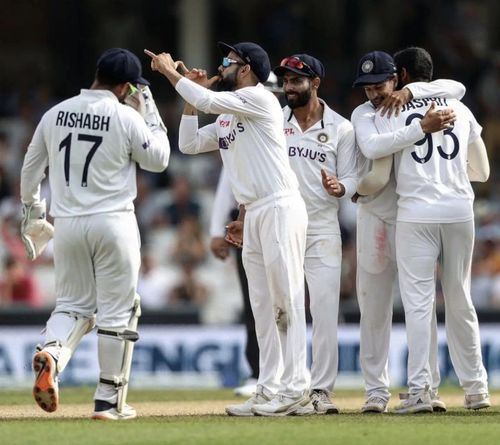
{"x": 115, "y": 349}
{"x": 64, "y": 332}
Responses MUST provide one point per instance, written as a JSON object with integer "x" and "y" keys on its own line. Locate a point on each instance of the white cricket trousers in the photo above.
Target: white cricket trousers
{"x": 419, "y": 247}
{"x": 97, "y": 262}
{"x": 322, "y": 269}
{"x": 376, "y": 282}
{"x": 273, "y": 257}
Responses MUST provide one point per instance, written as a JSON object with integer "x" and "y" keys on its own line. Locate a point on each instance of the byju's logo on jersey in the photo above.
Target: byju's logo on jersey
{"x": 367, "y": 66}
{"x": 302, "y": 152}
{"x": 225, "y": 141}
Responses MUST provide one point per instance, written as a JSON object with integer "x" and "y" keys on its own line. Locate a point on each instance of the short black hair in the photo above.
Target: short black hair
{"x": 417, "y": 61}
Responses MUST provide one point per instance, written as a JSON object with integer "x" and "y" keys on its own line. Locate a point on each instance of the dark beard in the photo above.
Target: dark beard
{"x": 228, "y": 83}
{"x": 300, "y": 100}
{"x": 122, "y": 98}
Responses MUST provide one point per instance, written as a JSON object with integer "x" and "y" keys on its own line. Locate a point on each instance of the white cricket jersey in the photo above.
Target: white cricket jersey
{"x": 431, "y": 174}
{"x": 248, "y": 133}
{"x": 373, "y": 145}
{"x": 224, "y": 202}
{"x": 383, "y": 203}
{"x": 329, "y": 144}
{"x": 91, "y": 143}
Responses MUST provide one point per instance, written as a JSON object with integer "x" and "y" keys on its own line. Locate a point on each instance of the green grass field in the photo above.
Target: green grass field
{"x": 165, "y": 419}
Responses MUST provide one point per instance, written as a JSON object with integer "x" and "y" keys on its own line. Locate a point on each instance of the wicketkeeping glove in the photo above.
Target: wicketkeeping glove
{"x": 151, "y": 115}
{"x": 36, "y": 232}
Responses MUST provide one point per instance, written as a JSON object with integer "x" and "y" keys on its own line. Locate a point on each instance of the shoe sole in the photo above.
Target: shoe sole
{"x": 420, "y": 410}
{"x": 307, "y": 410}
{"x": 111, "y": 417}
{"x": 327, "y": 412}
{"x": 296, "y": 410}
{"x": 373, "y": 411}
{"x": 267, "y": 414}
{"x": 234, "y": 414}
{"x": 45, "y": 390}
{"x": 479, "y": 406}
{"x": 439, "y": 408}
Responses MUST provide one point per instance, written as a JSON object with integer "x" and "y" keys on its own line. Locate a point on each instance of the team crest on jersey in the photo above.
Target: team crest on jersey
{"x": 367, "y": 66}
{"x": 323, "y": 138}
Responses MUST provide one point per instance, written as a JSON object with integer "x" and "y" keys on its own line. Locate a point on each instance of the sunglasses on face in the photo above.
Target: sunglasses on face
{"x": 226, "y": 61}
{"x": 295, "y": 62}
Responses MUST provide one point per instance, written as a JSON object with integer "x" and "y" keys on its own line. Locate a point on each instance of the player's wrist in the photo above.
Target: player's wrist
{"x": 341, "y": 192}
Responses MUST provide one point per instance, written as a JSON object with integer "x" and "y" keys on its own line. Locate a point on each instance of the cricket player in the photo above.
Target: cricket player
{"x": 319, "y": 140}
{"x": 435, "y": 223}
{"x": 376, "y": 263}
{"x": 91, "y": 144}
{"x": 249, "y": 134}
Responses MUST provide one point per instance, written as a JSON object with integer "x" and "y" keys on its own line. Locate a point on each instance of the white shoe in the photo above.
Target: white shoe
{"x": 437, "y": 404}
{"x": 245, "y": 409}
{"x": 107, "y": 411}
{"x": 282, "y": 405}
{"x": 419, "y": 402}
{"x": 322, "y": 403}
{"x": 374, "y": 404}
{"x": 247, "y": 389}
{"x": 46, "y": 387}
{"x": 477, "y": 401}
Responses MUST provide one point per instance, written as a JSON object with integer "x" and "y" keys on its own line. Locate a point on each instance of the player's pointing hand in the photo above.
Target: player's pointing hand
{"x": 163, "y": 63}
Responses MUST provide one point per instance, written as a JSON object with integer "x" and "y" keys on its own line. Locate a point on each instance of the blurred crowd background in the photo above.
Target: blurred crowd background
{"x": 49, "y": 48}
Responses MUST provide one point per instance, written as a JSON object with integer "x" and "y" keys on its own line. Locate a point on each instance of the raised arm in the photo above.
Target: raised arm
{"x": 374, "y": 145}
{"x": 194, "y": 140}
{"x": 447, "y": 88}
{"x": 242, "y": 102}
{"x": 388, "y": 141}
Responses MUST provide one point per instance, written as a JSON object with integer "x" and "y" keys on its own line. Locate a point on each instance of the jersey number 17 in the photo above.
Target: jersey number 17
{"x": 66, "y": 145}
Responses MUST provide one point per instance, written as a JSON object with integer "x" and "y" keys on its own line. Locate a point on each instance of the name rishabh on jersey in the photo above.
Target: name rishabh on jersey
{"x": 329, "y": 144}
{"x": 88, "y": 143}
{"x": 431, "y": 175}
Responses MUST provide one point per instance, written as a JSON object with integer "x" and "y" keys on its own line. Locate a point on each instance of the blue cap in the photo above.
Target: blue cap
{"x": 121, "y": 65}
{"x": 311, "y": 67}
{"x": 252, "y": 54}
{"x": 375, "y": 67}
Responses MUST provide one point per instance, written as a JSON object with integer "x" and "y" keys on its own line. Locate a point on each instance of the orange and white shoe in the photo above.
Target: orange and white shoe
{"x": 46, "y": 388}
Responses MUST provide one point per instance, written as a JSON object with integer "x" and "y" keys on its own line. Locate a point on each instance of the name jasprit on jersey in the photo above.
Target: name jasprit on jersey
{"x": 419, "y": 103}
{"x": 82, "y": 120}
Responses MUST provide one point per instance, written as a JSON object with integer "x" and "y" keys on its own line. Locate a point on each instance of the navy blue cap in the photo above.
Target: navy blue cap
{"x": 252, "y": 54}
{"x": 375, "y": 67}
{"x": 121, "y": 65}
{"x": 311, "y": 67}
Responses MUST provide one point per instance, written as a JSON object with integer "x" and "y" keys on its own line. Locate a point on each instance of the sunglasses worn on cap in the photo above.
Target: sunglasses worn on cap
{"x": 295, "y": 62}
{"x": 132, "y": 89}
{"x": 226, "y": 61}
